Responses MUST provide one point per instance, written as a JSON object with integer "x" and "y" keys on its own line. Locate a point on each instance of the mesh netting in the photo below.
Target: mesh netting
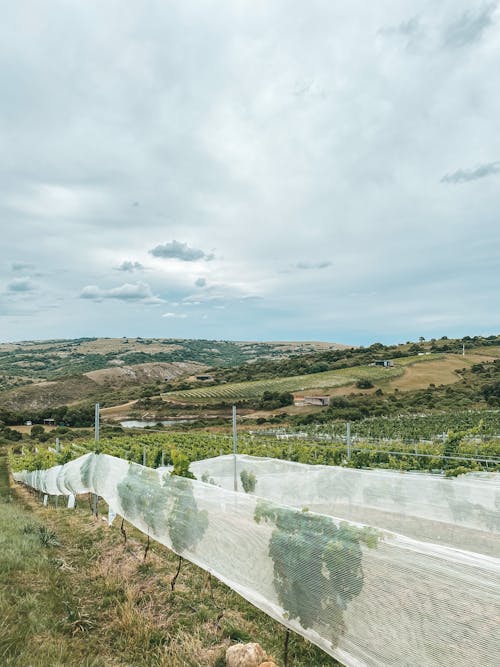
{"x": 376, "y": 567}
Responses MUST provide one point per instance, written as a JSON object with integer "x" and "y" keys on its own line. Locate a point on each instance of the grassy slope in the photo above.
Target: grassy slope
{"x": 52, "y": 359}
{"x": 92, "y": 600}
{"x": 299, "y": 383}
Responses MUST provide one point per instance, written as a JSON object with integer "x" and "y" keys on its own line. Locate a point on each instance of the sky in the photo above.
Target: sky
{"x": 250, "y": 169}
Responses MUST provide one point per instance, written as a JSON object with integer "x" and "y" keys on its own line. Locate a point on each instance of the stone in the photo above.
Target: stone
{"x": 245, "y": 655}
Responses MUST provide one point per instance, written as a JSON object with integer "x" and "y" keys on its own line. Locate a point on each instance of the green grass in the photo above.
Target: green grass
{"x": 237, "y": 391}
{"x": 84, "y": 597}
{"x": 4, "y": 477}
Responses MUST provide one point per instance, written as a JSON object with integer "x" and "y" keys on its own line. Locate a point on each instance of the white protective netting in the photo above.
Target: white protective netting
{"x": 375, "y": 567}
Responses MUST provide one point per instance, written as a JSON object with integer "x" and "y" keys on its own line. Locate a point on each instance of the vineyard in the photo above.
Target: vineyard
{"x": 316, "y": 447}
{"x": 240, "y": 391}
{"x": 411, "y": 427}
{"x": 343, "y": 585}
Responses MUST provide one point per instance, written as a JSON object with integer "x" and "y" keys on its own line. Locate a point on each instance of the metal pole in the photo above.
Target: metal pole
{"x": 96, "y": 422}
{"x": 144, "y": 455}
{"x": 348, "y": 439}
{"x": 58, "y": 449}
{"x": 96, "y": 438}
{"x": 235, "y": 448}
{"x": 162, "y": 458}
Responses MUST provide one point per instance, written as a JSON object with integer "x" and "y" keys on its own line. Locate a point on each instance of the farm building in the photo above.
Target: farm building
{"x": 312, "y": 400}
{"x": 386, "y": 363}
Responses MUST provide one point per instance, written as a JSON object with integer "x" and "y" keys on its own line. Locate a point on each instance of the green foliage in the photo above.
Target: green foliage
{"x": 316, "y": 443}
{"x": 275, "y": 399}
{"x": 248, "y": 481}
{"x": 452, "y": 443}
{"x": 186, "y": 523}
{"x": 455, "y": 472}
{"x": 86, "y": 471}
{"x": 181, "y": 464}
{"x": 317, "y": 564}
{"x": 364, "y": 383}
{"x": 164, "y": 503}
{"x": 491, "y": 393}
{"x": 143, "y": 497}
{"x": 283, "y": 386}
{"x": 37, "y": 430}
{"x": 47, "y": 537}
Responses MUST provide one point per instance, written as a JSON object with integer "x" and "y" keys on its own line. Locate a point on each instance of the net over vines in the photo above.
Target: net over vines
{"x": 375, "y": 567}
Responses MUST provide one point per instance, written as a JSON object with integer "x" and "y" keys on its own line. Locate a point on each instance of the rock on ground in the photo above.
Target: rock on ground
{"x": 245, "y": 655}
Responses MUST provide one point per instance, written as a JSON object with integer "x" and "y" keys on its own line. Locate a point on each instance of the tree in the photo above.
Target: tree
{"x": 36, "y": 431}
{"x": 364, "y": 383}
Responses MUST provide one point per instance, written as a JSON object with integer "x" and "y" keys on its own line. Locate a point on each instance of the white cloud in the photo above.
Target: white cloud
{"x": 177, "y": 250}
{"x": 177, "y": 316}
{"x": 125, "y": 292}
{"x": 129, "y": 266}
{"x": 466, "y": 175}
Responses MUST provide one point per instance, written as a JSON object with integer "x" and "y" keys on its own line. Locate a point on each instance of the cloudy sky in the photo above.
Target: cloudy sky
{"x": 250, "y": 169}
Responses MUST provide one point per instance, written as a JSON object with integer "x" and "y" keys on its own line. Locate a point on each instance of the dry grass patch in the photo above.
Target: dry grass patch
{"x": 94, "y": 601}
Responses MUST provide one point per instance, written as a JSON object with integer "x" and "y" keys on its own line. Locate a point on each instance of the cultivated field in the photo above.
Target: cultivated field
{"x": 240, "y": 391}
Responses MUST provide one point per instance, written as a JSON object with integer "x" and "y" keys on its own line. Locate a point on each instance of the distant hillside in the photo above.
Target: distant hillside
{"x": 107, "y": 385}
{"x": 35, "y": 375}
{"x": 34, "y": 360}
{"x": 38, "y": 376}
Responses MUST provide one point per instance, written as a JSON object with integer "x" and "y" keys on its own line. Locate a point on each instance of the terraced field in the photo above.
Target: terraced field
{"x": 238, "y": 391}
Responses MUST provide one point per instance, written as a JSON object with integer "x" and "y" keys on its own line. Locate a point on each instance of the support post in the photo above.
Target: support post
{"x": 144, "y": 455}
{"x": 96, "y": 423}
{"x": 235, "y": 448}
{"x": 348, "y": 440}
{"x": 58, "y": 449}
{"x": 95, "y": 508}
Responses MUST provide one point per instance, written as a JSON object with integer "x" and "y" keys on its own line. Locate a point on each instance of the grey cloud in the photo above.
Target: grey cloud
{"x": 407, "y": 28}
{"x": 125, "y": 292}
{"x": 21, "y": 285}
{"x": 201, "y": 282}
{"x": 129, "y": 266}
{"x": 21, "y": 266}
{"x": 470, "y": 26}
{"x": 178, "y": 250}
{"x": 466, "y": 175}
{"x": 228, "y": 156}
{"x": 312, "y": 265}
